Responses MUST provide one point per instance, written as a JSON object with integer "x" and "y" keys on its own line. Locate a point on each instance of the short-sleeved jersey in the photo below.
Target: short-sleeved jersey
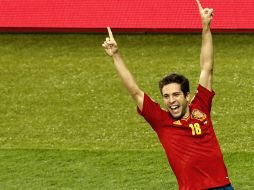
{"x": 190, "y": 144}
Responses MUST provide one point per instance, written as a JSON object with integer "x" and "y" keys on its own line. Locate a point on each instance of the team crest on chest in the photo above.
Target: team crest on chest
{"x": 197, "y": 114}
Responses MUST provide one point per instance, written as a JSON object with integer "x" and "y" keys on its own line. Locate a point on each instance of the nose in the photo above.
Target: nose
{"x": 171, "y": 99}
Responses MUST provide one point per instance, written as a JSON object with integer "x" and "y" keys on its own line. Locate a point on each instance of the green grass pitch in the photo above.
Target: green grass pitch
{"x": 66, "y": 122}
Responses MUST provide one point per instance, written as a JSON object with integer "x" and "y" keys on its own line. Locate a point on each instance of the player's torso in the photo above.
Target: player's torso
{"x": 187, "y": 141}
{"x": 191, "y": 147}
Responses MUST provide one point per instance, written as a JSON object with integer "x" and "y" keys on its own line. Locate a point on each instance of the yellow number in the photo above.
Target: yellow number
{"x": 192, "y": 129}
{"x": 196, "y": 130}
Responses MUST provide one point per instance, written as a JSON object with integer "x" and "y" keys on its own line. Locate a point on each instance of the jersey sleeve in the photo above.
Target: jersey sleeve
{"x": 151, "y": 111}
{"x": 203, "y": 99}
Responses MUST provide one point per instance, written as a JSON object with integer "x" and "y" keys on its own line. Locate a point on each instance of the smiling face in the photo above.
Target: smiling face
{"x": 175, "y": 100}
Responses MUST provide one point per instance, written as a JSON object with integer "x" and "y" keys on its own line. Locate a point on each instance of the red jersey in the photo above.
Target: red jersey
{"x": 190, "y": 144}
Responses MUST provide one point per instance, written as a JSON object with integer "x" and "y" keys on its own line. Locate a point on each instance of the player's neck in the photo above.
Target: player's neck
{"x": 187, "y": 114}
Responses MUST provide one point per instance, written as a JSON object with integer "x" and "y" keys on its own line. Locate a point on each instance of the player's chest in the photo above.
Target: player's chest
{"x": 196, "y": 125}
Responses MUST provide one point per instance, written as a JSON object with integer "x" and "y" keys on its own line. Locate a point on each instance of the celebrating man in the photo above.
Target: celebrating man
{"x": 185, "y": 130}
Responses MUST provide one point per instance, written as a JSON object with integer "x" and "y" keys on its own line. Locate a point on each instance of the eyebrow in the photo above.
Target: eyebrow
{"x": 174, "y": 93}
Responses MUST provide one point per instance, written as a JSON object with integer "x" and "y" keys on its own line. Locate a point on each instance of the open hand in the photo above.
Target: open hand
{"x": 110, "y": 44}
{"x": 206, "y": 14}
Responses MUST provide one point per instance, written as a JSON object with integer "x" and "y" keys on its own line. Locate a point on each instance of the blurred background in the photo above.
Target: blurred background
{"x": 66, "y": 122}
{"x": 123, "y": 16}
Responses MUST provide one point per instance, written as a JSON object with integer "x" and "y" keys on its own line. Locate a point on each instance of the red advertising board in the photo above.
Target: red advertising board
{"x": 123, "y": 15}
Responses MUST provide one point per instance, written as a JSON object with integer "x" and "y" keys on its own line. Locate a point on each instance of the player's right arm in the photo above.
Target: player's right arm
{"x": 126, "y": 77}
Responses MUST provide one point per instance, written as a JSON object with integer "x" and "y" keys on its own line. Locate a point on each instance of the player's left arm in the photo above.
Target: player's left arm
{"x": 206, "y": 55}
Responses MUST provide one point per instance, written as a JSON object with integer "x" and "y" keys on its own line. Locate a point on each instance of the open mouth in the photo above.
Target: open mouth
{"x": 174, "y": 108}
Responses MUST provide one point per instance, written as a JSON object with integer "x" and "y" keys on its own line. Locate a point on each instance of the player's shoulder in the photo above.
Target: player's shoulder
{"x": 203, "y": 92}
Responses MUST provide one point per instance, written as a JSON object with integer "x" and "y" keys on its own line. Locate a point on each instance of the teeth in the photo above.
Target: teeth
{"x": 174, "y": 107}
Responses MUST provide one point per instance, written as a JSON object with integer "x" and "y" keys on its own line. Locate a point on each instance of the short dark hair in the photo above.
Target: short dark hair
{"x": 176, "y": 78}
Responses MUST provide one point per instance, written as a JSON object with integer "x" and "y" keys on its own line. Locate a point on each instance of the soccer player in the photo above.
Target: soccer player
{"x": 185, "y": 129}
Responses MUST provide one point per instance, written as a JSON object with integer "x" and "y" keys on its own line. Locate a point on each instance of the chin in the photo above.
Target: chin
{"x": 176, "y": 116}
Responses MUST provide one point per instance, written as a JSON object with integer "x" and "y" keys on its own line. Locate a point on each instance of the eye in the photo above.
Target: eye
{"x": 176, "y": 94}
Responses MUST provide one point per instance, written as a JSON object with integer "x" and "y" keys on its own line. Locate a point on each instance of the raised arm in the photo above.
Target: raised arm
{"x": 206, "y": 56}
{"x": 126, "y": 77}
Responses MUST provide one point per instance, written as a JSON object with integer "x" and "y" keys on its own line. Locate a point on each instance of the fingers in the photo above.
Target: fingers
{"x": 205, "y": 10}
{"x": 105, "y": 45}
{"x": 208, "y": 12}
{"x": 199, "y": 5}
{"x": 108, "y": 43}
{"x": 110, "y": 33}
{"x": 107, "y": 40}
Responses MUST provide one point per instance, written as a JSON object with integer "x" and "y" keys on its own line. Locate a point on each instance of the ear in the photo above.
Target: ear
{"x": 188, "y": 96}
